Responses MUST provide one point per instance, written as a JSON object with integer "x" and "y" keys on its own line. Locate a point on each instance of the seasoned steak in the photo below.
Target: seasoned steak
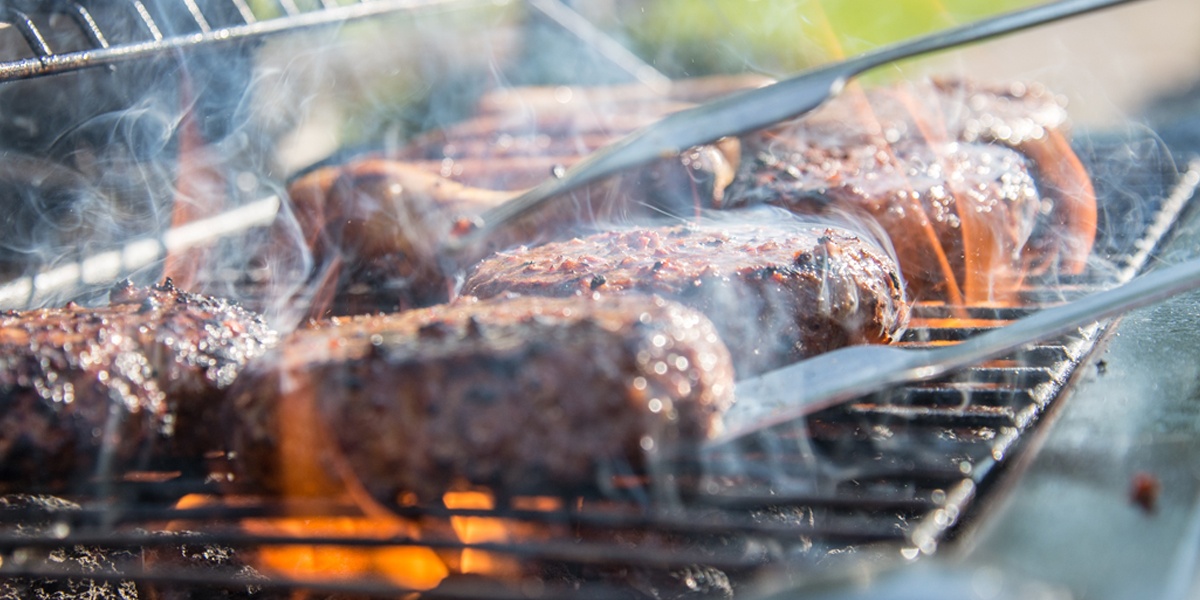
{"x": 522, "y": 394}
{"x": 91, "y": 392}
{"x": 777, "y": 292}
{"x": 975, "y": 186}
{"x": 374, "y": 223}
{"x": 958, "y": 217}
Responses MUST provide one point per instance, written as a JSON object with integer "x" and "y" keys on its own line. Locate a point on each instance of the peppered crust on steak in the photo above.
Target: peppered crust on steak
{"x": 521, "y": 394}
{"x": 777, "y": 292}
{"x": 976, "y": 185}
{"x": 958, "y": 217}
{"x": 91, "y": 392}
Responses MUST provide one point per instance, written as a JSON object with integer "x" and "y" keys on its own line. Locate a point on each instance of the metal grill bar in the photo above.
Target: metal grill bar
{"x": 147, "y": 20}
{"x": 33, "y": 36}
{"x": 83, "y": 17}
{"x": 106, "y": 50}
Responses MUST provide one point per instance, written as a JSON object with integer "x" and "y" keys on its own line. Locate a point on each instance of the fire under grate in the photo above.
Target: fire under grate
{"x": 882, "y": 480}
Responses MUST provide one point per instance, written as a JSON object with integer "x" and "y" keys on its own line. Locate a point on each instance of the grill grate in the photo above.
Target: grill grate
{"x": 123, "y": 30}
{"x": 887, "y": 478}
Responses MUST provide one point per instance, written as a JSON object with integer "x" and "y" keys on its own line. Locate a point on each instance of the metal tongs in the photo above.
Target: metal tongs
{"x": 752, "y": 110}
{"x": 842, "y": 375}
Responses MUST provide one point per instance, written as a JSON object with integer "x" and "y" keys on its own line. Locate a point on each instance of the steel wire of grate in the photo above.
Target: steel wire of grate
{"x": 165, "y": 26}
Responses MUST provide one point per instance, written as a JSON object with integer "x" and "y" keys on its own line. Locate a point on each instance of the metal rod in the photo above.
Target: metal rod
{"x": 84, "y": 18}
{"x": 29, "y": 30}
{"x": 50, "y": 63}
{"x": 244, "y": 10}
{"x": 197, "y": 16}
{"x": 147, "y": 20}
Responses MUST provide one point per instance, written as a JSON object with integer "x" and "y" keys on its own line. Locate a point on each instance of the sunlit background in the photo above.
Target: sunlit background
{"x": 382, "y": 81}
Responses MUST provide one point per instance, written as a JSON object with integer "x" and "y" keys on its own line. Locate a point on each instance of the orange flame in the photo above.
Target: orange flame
{"x": 199, "y": 193}
{"x": 310, "y": 467}
{"x": 411, "y": 567}
{"x": 475, "y": 530}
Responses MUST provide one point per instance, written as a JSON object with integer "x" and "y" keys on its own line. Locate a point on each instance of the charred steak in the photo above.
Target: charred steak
{"x": 91, "y": 392}
{"x": 976, "y": 186}
{"x": 776, "y": 292}
{"x": 522, "y": 394}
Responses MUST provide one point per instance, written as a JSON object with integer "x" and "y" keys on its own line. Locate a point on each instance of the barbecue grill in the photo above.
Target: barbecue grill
{"x": 885, "y": 487}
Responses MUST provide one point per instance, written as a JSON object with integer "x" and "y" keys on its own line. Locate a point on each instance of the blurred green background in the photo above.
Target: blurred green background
{"x": 381, "y": 81}
{"x": 783, "y": 36}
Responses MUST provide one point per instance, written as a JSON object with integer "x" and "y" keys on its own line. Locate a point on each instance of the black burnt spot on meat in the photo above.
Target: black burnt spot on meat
{"x": 125, "y": 292}
{"x": 597, "y": 281}
{"x": 475, "y": 328}
{"x": 438, "y": 330}
{"x": 167, "y": 285}
{"x": 772, "y": 272}
{"x": 149, "y": 304}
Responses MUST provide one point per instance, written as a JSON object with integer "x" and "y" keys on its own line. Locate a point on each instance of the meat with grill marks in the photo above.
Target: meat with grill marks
{"x": 375, "y": 222}
{"x": 976, "y": 186}
{"x": 777, "y": 291}
{"x": 521, "y": 394}
{"x": 89, "y": 393}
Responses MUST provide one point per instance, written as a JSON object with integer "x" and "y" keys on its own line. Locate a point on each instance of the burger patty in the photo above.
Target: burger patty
{"x": 776, "y": 292}
{"x": 90, "y": 392}
{"x": 975, "y": 185}
{"x": 521, "y": 394}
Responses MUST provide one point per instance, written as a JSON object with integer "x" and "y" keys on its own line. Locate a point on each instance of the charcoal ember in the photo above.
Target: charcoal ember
{"x": 777, "y": 290}
{"x": 643, "y": 583}
{"x": 62, "y": 571}
{"x": 694, "y": 581}
{"x": 231, "y": 576}
{"x": 90, "y": 392}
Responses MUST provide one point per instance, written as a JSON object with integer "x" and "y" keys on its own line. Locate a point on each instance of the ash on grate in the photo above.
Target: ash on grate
{"x": 48, "y": 518}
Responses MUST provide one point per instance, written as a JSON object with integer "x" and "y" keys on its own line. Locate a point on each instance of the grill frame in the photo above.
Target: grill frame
{"x": 814, "y": 522}
{"x": 154, "y": 38}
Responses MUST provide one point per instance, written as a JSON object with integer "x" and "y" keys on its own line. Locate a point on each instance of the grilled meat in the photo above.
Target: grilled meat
{"x": 917, "y": 194}
{"x": 377, "y": 226}
{"x": 975, "y": 186}
{"x": 375, "y": 222}
{"x": 522, "y": 394}
{"x": 91, "y": 392}
{"x": 776, "y": 292}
